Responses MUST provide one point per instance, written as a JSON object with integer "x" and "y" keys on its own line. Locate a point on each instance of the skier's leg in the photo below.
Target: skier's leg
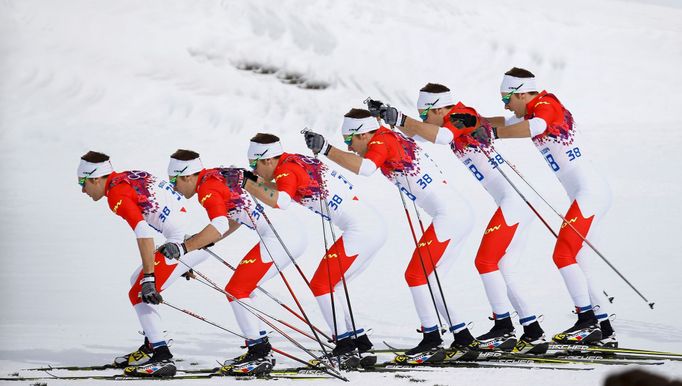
{"x": 250, "y": 271}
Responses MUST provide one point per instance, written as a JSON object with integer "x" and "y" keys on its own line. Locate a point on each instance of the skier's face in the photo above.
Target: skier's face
{"x": 516, "y": 104}
{"x": 264, "y": 168}
{"x": 94, "y": 187}
{"x": 359, "y": 143}
{"x": 186, "y": 185}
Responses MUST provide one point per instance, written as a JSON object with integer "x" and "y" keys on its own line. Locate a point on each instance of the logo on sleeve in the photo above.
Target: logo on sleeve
{"x": 281, "y": 175}
{"x": 117, "y": 205}
{"x": 206, "y": 197}
{"x": 376, "y": 143}
{"x": 541, "y": 103}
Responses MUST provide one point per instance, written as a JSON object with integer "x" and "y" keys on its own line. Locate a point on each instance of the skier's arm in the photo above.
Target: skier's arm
{"x": 348, "y": 160}
{"x": 425, "y": 130}
{"x": 146, "y": 247}
{"x": 265, "y": 192}
{"x": 517, "y": 130}
{"x": 496, "y": 121}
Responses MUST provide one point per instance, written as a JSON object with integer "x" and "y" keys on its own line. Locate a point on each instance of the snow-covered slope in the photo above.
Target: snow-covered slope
{"x": 138, "y": 80}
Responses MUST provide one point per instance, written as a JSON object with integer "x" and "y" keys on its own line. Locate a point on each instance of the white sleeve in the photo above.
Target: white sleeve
{"x": 419, "y": 138}
{"x": 444, "y": 136}
{"x": 367, "y": 167}
{"x": 221, "y": 224}
{"x": 283, "y": 200}
{"x": 508, "y": 121}
{"x": 537, "y": 126}
{"x": 144, "y": 231}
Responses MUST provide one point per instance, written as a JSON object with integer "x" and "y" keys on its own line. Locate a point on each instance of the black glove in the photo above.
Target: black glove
{"x": 149, "y": 293}
{"x": 462, "y": 121}
{"x": 188, "y": 275}
{"x": 316, "y": 143}
{"x": 173, "y": 250}
{"x": 248, "y": 175}
{"x": 375, "y": 107}
{"x": 481, "y": 135}
{"x": 392, "y": 116}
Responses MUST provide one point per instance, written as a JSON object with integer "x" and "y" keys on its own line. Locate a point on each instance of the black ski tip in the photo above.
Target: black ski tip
{"x": 651, "y": 305}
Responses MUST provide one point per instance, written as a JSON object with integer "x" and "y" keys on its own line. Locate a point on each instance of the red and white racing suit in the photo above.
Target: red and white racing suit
{"x": 504, "y": 238}
{"x": 151, "y": 205}
{"x": 417, "y": 176}
{"x": 219, "y": 191}
{"x": 330, "y": 194}
{"x": 554, "y": 134}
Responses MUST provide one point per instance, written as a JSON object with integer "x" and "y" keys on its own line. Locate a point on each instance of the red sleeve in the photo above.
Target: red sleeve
{"x": 378, "y": 150}
{"x": 123, "y": 201}
{"x": 287, "y": 179}
{"x": 547, "y": 111}
{"x": 211, "y": 196}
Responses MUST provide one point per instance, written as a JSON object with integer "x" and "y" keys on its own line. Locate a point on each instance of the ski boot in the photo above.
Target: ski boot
{"x": 532, "y": 341}
{"x": 429, "y": 350}
{"x": 257, "y": 360}
{"x": 343, "y": 355}
{"x": 608, "y": 339}
{"x": 161, "y": 365}
{"x": 500, "y": 338}
{"x": 585, "y": 331}
{"x": 463, "y": 348}
{"x": 138, "y": 357}
{"x": 364, "y": 345}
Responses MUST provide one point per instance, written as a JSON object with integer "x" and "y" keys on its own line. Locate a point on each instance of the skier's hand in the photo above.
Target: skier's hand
{"x": 375, "y": 107}
{"x": 462, "y": 121}
{"x": 149, "y": 293}
{"x": 316, "y": 143}
{"x": 481, "y": 135}
{"x": 248, "y": 175}
{"x": 392, "y": 116}
{"x": 173, "y": 250}
{"x": 189, "y": 274}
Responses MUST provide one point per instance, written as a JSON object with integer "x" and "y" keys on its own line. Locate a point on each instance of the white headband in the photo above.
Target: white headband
{"x": 434, "y": 100}
{"x": 93, "y": 170}
{"x": 358, "y": 125}
{"x": 178, "y": 167}
{"x": 264, "y": 150}
{"x": 518, "y": 85}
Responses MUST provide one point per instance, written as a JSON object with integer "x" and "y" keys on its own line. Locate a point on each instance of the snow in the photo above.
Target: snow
{"x": 138, "y": 80}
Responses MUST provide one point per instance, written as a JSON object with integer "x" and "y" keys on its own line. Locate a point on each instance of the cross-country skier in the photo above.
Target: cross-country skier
{"x": 149, "y": 205}
{"x": 310, "y": 183}
{"x": 541, "y": 116}
{"x": 220, "y": 192}
{"x": 446, "y": 122}
{"x": 406, "y": 164}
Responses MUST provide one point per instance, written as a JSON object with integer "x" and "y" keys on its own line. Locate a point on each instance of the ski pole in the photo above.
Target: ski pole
{"x": 268, "y": 294}
{"x": 283, "y": 353}
{"x": 281, "y": 274}
{"x": 329, "y": 279}
{"x": 257, "y": 315}
{"x": 269, "y": 316}
{"x": 428, "y": 250}
{"x": 583, "y": 238}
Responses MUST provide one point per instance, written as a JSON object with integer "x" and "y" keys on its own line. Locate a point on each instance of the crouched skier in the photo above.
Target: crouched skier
{"x": 149, "y": 205}
{"x": 220, "y": 192}
{"x": 325, "y": 191}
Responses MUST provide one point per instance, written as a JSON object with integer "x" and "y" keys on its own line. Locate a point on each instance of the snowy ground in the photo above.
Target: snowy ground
{"x": 139, "y": 79}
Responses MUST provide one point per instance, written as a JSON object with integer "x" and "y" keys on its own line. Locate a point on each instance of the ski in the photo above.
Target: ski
{"x": 509, "y": 357}
{"x": 185, "y": 376}
{"x": 570, "y": 348}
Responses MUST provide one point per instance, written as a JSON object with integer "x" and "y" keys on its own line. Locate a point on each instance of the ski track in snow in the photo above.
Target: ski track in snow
{"x": 138, "y": 81}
